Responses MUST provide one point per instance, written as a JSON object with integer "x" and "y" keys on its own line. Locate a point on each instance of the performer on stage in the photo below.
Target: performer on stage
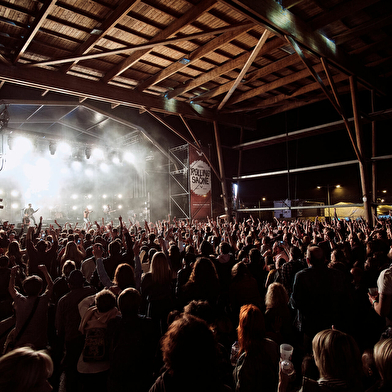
{"x": 86, "y": 217}
{"x": 29, "y": 214}
{"x": 107, "y": 210}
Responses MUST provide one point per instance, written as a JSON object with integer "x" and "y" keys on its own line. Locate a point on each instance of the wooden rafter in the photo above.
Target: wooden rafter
{"x": 283, "y": 97}
{"x": 269, "y": 13}
{"x": 279, "y": 82}
{"x": 131, "y": 49}
{"x": 200, "y": 52}
{"x": 47, "y": 7}
{"x": 69, "y": 84}
{"x": 174, "y": 28}
{"x": 244, "y": 70}
{"x": 250, "y": 77}
{"x": 339, "y": 12}
{"x": 223, "y": 69}
{"x": 374, "y": 24}
{"x": 120, "y": 11}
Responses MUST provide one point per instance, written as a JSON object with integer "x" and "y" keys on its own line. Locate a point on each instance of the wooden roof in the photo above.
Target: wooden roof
{"x": 233, "y": 62}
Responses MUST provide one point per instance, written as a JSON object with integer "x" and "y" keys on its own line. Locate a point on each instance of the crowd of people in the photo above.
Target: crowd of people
{"x": 198, "y": 306}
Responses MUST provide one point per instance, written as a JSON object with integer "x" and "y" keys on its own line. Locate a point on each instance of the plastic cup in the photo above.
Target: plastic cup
{"x": 373, "y": 291}
{"x": 286, "y": 350}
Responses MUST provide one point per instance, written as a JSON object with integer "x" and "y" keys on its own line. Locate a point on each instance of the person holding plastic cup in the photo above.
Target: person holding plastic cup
{"x": 338, "y": 360}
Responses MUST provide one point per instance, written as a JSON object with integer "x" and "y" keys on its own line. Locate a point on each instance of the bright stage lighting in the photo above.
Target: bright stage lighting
{"x": 89, "y": 196}
{"x": 14, "y": 205}
{"x": 77, "y": 166}
{"x": 119, "y": 206}
{"x": 14, "y": 193}
{"x": 116, "y": 160}
{"x": 89, "y": 172}
{"x": 129, "y": 157}
{"x": 74, "y": 196}
{"x": 90, "y": 207}
{"x": 120, "y": 196}
{"x": 104, "y": 196}
{"x": 64, "y": 149}
{"x": 104, "y": 167}
{"x": 22, "y": 145}
{"x": 74, "y": 207}
{"x": 97, "y": 153}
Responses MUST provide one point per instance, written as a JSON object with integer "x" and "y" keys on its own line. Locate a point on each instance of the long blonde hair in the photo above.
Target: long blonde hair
{"x": 160, "y": 269}
{"x": 276, "y": 296}
{"x": 383, "y": 359}
{"x": 337, "y": 356}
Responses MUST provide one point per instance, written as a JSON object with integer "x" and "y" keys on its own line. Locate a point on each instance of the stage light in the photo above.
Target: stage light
{"x": 104, "y": 167}
{"x": 22, "y": 144}
{"x": 89, "y": 196}
{"x": 129, "y": 157}
{"x": 14, "y": 205}
{"x": 52, "y": 147}
{"x": 74, "y": 207}
{"x": 119, "y": 206}
{"x": 76, "y": 165}
{"x": 89, "y": 172}
{"x": 64, "y": 148}
{"x": 87, "y": 151}
{"x": 14, "y": 193}
{"x": 120, "y": 196}
{"x": 98, "y": 153}
{"x": 74, "y": 196}
{"x": 104, "y": 196}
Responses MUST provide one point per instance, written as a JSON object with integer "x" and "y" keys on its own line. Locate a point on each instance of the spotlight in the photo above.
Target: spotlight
{"x": 10, "y": 142}
{"x": 52, "y": 148}
{"x": 88, "y": 152}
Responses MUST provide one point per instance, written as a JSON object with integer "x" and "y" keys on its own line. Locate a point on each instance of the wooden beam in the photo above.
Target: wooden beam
{"x": 121, "y": 10}
{"x": 259, "y": 73}
{"x": 282, "y": 97}
{"x": 174, "y": 28}
{"x": 168, "y": 126}
{"x": 197, "y": 54}
{"x": 247, "y": 65}
{"x": 225, "y": 196}
{"x": 364, "y": 28}
{"x": 341, "y": 109}
{"x": 223, "y": 69}
{"x": 270, "y": 14}
{"x": 72, "y": 85}
{"x": 279, "y": 82}
{"x": 39, "y": 19}
{"x": 130, "y": 49}
{"x": 362, "y": 163}
{"x": 340, "y": 11}
{"x": 200, "y": 148}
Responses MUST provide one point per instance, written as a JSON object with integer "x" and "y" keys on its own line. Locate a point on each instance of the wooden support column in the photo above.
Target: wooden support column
{"x": 362, "y": 161}
{"x": 239, "y": 171}
{"x": 222, "y": 171}
{"x": 374, "y": 163}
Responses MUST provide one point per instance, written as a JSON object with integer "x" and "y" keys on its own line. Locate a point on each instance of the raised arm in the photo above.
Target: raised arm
{"x": 49, "y": 281}
{"x": 11, "y": 285}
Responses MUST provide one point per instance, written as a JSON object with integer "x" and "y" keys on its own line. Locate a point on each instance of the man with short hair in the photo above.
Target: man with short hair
{"x": 320, "y": 297}
{"x": 67, "y": 325}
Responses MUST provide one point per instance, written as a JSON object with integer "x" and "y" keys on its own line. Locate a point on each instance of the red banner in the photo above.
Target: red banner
{"x": 200, "y": 185}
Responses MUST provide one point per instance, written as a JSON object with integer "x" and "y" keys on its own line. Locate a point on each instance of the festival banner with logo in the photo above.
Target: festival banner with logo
{"x": 200, "y": 184}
